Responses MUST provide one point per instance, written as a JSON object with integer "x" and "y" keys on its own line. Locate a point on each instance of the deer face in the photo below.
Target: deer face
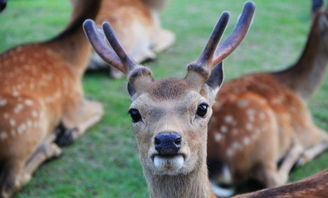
{"x": 170, "y": 116}
{"x": 170, "y": 123}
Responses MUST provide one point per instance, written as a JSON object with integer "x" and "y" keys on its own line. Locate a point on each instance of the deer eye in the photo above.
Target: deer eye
{"x": 135, "y": 115}
{"x": 202, "y": 109}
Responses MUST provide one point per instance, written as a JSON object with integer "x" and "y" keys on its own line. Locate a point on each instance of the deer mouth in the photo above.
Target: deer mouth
{"x": 168, "y": 163}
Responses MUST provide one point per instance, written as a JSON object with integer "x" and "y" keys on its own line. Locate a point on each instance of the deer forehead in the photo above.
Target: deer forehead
{"x": 147, "y": 102}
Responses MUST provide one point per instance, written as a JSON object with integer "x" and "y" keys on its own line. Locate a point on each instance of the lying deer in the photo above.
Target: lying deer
{"x": 262, "y": 118}
{"x": 3, "y": 4}
{"x": 315, "y": 186}
{"x": 138, "y": 27}
{"x": 41, "y": 87}
{"x": 170, "y": 116}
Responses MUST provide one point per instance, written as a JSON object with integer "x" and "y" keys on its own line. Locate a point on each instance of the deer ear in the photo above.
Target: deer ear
{"x": 216, "y": 78}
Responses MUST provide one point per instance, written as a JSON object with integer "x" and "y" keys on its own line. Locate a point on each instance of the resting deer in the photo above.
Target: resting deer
{"x": 170, "y": 116}
{"x": 262, "y": 118}
{"x": 138, "y": 27}
{"x": 41, "y": 87}
{"x": 3, "y": 4}
{"x": 315, "y": 186}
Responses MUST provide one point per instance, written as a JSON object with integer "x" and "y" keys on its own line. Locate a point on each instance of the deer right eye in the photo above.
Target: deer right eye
{"x": 135, "y": 115}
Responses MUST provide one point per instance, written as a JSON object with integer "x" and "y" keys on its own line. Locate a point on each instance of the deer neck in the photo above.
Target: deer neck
{"x": 72, "y": 45}
{"x": 193, "y": 184}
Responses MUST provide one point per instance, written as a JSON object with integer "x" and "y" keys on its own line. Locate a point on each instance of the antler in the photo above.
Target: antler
{"x": 227, "y": 47}
{"x": 119, "y": 59}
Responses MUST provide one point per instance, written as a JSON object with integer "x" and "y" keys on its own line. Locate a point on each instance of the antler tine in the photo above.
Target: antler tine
{"x": 227, "y": 47}
{"x": 105, "y": 52}
{"x": 213, "y": 40}
{"x": 112, "y": 39}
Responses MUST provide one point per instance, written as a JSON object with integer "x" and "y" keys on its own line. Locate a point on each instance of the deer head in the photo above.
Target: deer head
{"x": 170, "y": 116}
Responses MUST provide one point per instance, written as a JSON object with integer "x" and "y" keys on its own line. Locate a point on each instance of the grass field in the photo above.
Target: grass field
{"x": 104, "y": 162}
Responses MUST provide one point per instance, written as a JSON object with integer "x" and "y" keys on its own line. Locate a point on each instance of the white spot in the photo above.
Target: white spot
{"x": 18, "y": 108}
{"x": 34, "y": 114}
{"x": 28, "y": 102}
{"x": 3, "y": 135}
{"x": 218, "y": 137}
{"x": 21, "y": 128}
{"x": 15, "y": 94}
{"x": 236, "y": 146}
{"x": 12, "y": 122}
{"x": 262, "y": 116}
{"x": 250, "y": 112}
{"x": 230, "y": 152}
{"x": 29, "y": 123}
{"x": 251, "y": 118}
{"x": 246, "y": 141}
{"x": 223, "y": 129}
{"x": 228, "y": 119}
{"x": 3, "y": 102}
{"x": 242, "y": 103}
{"x": 13, "y": 132}
{"x": 5, "y": 115}
{"x": 249, "y": 126}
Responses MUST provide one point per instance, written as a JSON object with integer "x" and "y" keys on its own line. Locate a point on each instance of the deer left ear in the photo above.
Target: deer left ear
{"x": 216, "y": 78}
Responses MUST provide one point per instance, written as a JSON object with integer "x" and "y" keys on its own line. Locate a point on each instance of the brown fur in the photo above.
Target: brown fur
{"x": 315, "y": 186}
{"x": 41, "y": 87}
{"x": 260, "y": 118}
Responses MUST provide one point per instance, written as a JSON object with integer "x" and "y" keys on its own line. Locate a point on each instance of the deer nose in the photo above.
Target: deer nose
{"x": 167, "y": 143}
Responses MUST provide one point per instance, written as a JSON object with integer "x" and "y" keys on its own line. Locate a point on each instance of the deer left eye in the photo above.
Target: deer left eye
{"x": 135, "y": 115}
{"x": 202, "y": 109}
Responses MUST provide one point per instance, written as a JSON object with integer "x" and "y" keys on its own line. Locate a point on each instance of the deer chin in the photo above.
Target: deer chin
{"x": 168, "y": 165}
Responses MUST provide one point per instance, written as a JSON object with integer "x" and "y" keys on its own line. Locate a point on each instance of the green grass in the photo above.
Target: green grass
{"x": 104, "y": 162}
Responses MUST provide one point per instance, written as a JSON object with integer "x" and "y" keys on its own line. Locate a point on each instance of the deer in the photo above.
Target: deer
{"x": 40, "y": 88}
{"x": 3, "y": 4}
{"x": 141, "y": 33}
{"x": 170, "y": 116}
{"x": 315, "y": 186}
{"x": 262, "y": 119}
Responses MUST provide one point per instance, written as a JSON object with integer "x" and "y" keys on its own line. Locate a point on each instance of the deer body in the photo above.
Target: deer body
{"x": 137, "y": 24}
{"x": 41, "y": 87}
{"x": 262, "y": 118}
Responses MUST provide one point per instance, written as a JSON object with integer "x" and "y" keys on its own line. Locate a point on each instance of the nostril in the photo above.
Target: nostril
{"x": 178, "y": 141}
{"x": 157, "y": 141}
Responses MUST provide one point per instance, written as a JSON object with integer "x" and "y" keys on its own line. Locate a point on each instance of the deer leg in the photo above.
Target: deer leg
{"x": 45, "y": 151}
{"x": 18, "y": 172}
{"x": 87, "y": 115}
{"x": 289, "y": 161}
{"x": 310, "y": 153}
{"x": 268, "y": 174}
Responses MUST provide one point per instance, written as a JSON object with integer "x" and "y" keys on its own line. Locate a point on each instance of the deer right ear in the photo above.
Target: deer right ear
{"x": 216, "y": 78}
